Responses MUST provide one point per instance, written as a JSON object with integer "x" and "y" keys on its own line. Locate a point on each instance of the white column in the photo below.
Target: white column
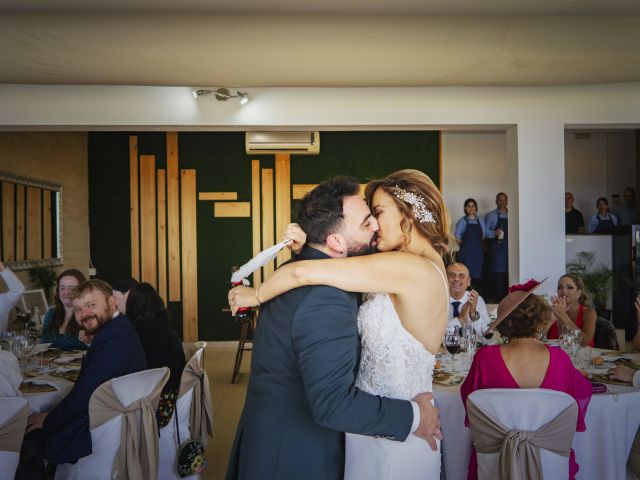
{"x": 535, "y": 150}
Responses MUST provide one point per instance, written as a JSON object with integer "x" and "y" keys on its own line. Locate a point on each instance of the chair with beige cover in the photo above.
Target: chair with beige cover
{"x": 194, "y": 413}
{"x": 522, "y": 433}
{"x": 14, "y": 412}
{"x": 124, "y": 431}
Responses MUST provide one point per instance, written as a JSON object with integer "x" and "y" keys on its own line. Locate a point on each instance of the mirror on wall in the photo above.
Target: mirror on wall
{"x": 31, "y": 220}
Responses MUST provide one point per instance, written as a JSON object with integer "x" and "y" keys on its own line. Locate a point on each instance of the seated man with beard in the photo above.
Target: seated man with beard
{"x": 62, "y": 435}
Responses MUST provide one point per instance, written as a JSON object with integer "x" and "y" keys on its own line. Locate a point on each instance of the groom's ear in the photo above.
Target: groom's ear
{"x": 337, "y": 243}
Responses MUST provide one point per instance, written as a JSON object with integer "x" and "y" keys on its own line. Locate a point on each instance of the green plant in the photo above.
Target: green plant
{"x": 44, "y": 277}
{"x": 598, "y": 279}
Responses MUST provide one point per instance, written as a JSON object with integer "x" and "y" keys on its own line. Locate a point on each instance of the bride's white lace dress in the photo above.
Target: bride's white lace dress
{"x": 392, "y": 364}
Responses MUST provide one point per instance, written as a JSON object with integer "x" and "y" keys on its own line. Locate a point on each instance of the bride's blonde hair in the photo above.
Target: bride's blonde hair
{"x": 416, "y": 182}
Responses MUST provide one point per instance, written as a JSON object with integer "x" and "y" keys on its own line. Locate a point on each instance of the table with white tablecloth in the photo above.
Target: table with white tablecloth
{"x": 45, "y": 401}
{"x": 601, "y": 451}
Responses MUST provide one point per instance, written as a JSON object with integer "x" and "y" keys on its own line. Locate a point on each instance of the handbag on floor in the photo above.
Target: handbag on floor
{"x": 190, "y": 459}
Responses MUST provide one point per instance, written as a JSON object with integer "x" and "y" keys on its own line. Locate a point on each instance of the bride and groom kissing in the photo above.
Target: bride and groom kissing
{"x": 324, "y": 364}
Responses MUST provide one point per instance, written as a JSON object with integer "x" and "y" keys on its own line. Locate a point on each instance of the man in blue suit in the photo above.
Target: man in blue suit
{"x": 301, "y": 396}
{"x": 62, "y": 435}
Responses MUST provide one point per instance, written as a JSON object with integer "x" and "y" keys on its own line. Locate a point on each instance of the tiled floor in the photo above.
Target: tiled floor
{"x": 228, "y": 401}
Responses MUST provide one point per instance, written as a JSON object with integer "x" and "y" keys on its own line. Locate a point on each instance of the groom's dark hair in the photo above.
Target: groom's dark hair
{"x": 320, "y": 212}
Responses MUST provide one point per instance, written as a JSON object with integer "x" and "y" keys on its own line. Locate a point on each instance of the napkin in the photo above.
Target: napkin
{"x": 39, "y": 348}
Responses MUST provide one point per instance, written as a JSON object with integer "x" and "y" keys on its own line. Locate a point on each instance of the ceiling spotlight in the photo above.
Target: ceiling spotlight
{"x": 222, "y": 94}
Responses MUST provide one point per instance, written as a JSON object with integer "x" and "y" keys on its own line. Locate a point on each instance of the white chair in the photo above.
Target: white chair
{"x": 184, "y": 407}
{"x": 14, "y": 412}
{"x": 125, "y": 403}
{"x": 524, "y": 410}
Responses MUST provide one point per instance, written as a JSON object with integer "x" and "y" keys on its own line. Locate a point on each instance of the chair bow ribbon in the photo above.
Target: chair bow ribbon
{"x": 201, "y": 417}
{"x": 12, "y": 430}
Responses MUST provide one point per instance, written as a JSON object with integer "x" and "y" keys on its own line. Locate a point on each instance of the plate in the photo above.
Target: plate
{"x": 36, "y": 388}
{"x": 605, "y": 379}
{"x": 447, "y": 379}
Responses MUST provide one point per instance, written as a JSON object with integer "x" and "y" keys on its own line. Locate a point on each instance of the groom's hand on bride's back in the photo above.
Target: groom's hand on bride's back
{"x": 429, "y": 426}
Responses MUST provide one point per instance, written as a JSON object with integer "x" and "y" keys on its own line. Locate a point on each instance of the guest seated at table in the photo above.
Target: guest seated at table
{"x": 59, "y": 326}
{"x": 635, "y": 342}
{"x": 525, "y": 362}
{"x": 161, "y": 344}
{"x": 570, "y": 309}
{"x": 62, "y": 435}
{"x": 11, "y": 297}
{"x": 121, "y": 288}
{"x": 465, "y": 306}
{"x": 10, "y": 376}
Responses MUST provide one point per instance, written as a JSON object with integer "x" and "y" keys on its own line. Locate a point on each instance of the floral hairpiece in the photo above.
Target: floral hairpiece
{"x": 524, "y": 287}
{"x": 420, "y": 211}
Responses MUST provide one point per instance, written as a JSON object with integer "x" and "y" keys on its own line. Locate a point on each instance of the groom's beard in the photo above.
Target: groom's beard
{"x": 356, "y": 249}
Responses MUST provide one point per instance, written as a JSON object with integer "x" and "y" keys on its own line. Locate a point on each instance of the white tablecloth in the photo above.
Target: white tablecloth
{"x": 45, "y": 401}
{"x": 601, "y": 451}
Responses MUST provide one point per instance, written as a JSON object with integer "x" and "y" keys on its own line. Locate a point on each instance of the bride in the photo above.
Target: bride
{"x": 401, "y": 323}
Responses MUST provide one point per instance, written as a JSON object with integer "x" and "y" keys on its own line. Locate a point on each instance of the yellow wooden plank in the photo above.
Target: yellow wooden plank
{"x": 267, "y": 216}
{"x": 46, "y": 224}
{"x": 255, "y": 217}
{"x": 8, "y": 222}
{"x": 162, "y": 235}
{"x": 189, "y": 257}
{"x": 218, "y": 196}
{"x": 148, "y": 241}
{"x": 232, "y": 209}
{"x": 301, "y": 189}
{"x": 283, "y": 202}
{"x": 34, "y": 223}
{"x": 173, "y": 216}
{"x": 19, "y": 222}
{"x": 133, "y": 205}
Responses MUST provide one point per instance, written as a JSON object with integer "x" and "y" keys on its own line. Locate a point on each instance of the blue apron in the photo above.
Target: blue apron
{"x": 471, "y": 253}
{"x": 604, "y": 226}
{"x": 499, "y": 251}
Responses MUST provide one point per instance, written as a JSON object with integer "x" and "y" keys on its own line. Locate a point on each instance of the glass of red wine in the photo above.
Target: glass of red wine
{"x": 452, "y": 344}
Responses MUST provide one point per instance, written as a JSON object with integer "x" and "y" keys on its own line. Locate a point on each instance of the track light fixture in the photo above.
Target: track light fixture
{"x": 222, "y": 94}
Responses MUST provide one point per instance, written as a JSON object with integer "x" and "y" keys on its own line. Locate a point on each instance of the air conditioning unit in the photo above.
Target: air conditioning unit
{"x": 298, "y": 143}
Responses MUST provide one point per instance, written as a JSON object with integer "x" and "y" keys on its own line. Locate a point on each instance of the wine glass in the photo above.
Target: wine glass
{"x": 452, "y": 344}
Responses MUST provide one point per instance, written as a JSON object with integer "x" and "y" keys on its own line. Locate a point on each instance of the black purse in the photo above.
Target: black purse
{"x": 191, "y": 459}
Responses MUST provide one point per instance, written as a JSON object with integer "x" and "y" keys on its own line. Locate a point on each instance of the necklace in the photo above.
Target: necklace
{"x": 524, "y": 339}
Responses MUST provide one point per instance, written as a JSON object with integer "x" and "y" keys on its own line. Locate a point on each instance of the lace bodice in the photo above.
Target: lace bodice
{"x": 393, "y": 363}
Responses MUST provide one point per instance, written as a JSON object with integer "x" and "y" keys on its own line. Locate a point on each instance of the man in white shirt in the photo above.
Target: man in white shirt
{"x": 11, "y": 297}
{"x": 465, "y": 305}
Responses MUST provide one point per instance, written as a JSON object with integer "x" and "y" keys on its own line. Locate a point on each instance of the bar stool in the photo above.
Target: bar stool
{"x": 245, "y": 344}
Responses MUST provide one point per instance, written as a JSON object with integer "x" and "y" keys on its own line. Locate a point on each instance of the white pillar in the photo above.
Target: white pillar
{"x": 535, "y": 150}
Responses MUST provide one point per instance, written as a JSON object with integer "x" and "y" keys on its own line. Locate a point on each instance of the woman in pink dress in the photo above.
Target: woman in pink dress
{"x": 525, "y": 362}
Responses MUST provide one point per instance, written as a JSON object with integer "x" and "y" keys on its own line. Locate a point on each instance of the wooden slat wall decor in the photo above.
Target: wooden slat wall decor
{"x": 218, "y": 196}
{"x": 301, "y": 189}
{"x": 232, "y": 209}
{"x": 267, "y": 216}
{"x": 46, "y": 224}
{"x": 135, "y": 219}
{"x": 189, "y": 256}
{"x": 283, "y": 202}
{"x": 255, "y": 217}
{"x": 34, "y": 223}
{"x": 8, "y": 223}
{"x": 173, "y": 216}
{"x": 149, "y": 272}
{"x": 162, "y": 235}
{"x": 20, "y": 222}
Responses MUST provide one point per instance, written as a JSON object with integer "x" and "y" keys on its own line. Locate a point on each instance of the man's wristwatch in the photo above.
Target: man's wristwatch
{"x": 474, "y": 315}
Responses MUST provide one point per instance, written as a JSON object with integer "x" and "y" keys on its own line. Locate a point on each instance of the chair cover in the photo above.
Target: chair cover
{"x": 511, "y": 428}
{"x": 14, "y": 412}
{"x": 10, "y": 376}
{"x": 195, "y": 378}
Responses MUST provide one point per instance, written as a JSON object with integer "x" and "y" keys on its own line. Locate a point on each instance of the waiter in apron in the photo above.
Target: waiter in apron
{"x": 603, "y": 221}
{"x": 497, "y": 232}
{"x": 470, "y": 232}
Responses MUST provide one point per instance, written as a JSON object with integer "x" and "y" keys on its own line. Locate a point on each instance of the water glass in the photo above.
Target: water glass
{"x": 584, "y": 357}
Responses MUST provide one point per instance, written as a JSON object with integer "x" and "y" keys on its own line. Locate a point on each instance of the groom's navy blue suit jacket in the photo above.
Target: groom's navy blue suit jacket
{"x": 301, "y": 395}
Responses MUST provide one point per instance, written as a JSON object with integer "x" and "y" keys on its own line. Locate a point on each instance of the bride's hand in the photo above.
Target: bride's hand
{"x": 242, "y": 297}
{"x": 295, "y": 233}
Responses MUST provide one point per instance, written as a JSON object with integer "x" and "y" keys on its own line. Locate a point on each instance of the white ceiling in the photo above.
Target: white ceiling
{"x": 359, "y": 43}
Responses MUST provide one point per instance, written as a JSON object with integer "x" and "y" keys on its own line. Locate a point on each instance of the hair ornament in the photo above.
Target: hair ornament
{"x": 420, "y": 211}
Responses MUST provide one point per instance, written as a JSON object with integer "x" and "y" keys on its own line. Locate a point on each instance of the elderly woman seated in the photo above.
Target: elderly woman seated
{"x": 524, "y": 361}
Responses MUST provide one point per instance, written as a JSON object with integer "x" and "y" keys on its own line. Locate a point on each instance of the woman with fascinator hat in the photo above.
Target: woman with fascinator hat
{"x": 402, "y": 326}
{"x": 524, "y": 361}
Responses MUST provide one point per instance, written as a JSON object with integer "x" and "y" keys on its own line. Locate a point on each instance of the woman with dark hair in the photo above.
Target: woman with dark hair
{"x": 59, "y": 326}
{"x": 570, "y": 308}
{"x": 603, "y": 221}
{"x": 524, "y": 361}
{"x": 161, "y": 344}
{"x": 469, "y": 232}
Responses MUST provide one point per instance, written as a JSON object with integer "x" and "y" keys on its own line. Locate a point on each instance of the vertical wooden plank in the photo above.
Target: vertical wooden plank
{"x": 267, "y": 216}
{"x": 19, "y": 222}
{"x": 148, "y": 267}
{"x": 173, "y": 216}
{"x": 133, "y": 205}
{"x": 46, "y": 224}
{"x": 33, "y": 231}
{"x": 8, "y": 222}
{"x": 255, "y": 217}
{"x": 189, "y": 256}
{"x": 162, "y": 236}
{"x": 283, "y": 202}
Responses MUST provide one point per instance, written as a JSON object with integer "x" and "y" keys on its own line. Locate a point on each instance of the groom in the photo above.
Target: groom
{"x": 301, "y": 395}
